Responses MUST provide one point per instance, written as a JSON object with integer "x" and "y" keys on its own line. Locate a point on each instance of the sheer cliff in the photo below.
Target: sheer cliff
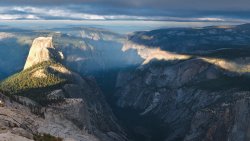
{"x": 182, "y": 93}
{"x": 48, "y": 98}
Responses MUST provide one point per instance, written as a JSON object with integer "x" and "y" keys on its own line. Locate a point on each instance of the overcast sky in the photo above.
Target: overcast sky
{"x": 176, "y": 10}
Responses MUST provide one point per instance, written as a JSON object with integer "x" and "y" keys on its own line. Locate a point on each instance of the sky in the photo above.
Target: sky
{"x": 161, "y": 10}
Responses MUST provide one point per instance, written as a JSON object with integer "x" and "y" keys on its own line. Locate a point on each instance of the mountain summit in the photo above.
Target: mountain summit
{"x": 42, "y": 49}
{"x": 56, "y": 100}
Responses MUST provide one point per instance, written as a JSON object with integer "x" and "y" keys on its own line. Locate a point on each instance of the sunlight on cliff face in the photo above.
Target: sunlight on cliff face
{"x": 151, "y": 53}
{"x": 159, "y": 54}
{"x": 240, "y": 65}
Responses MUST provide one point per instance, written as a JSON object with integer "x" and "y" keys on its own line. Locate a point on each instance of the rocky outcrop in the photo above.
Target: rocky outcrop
{"x": 81, "y": 51}
{"x": 228, "y": 121}
{"x": 69, "y": 120}
{"x": 13, "y": 137}
{"x": 18, "y": 122}
{"x": 42, "y": 49}
{"x": 72, "y": 110}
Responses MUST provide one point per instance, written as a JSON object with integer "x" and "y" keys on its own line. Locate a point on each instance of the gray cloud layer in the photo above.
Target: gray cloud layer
{"x": 134, "y": 9}
{"x": 164, "y": 4}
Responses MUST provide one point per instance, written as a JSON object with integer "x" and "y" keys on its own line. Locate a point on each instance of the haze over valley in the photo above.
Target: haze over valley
{"x": 124, "y": 70}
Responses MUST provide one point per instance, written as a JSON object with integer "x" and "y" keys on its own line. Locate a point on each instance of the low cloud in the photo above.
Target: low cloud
{"x": 74, "y": 12}
{"x": 19, "y": 17}
{"x": 57, "y": 13}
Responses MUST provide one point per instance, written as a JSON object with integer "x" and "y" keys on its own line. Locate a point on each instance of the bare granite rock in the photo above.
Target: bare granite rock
{"x": 42, "y": 49}
{"x": 76, "y": 109}
{"x": 193, "y": 99}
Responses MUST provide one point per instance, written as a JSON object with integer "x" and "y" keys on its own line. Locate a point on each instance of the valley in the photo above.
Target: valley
{"x": 81, "y": 83}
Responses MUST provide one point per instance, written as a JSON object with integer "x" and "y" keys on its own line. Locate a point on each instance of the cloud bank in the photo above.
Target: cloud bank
{"x": 180, "y": 10}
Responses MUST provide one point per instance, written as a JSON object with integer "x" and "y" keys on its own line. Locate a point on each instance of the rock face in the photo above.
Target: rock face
{"x": 229, "y": 121}
{"x": 42, "y": 50}
{"x": 18, "y": 122}
{"x": 76, "y": 109}
{"x": 83, "y": 51}
{"x": 194, "y": 99}
{"x": 181, "y": 96}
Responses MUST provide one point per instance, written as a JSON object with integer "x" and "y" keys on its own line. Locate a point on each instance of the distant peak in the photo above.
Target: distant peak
{"x": 42, "y": 49}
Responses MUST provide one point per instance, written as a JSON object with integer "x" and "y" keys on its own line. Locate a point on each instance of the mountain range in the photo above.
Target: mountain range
{"x": 176, "y": 84}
